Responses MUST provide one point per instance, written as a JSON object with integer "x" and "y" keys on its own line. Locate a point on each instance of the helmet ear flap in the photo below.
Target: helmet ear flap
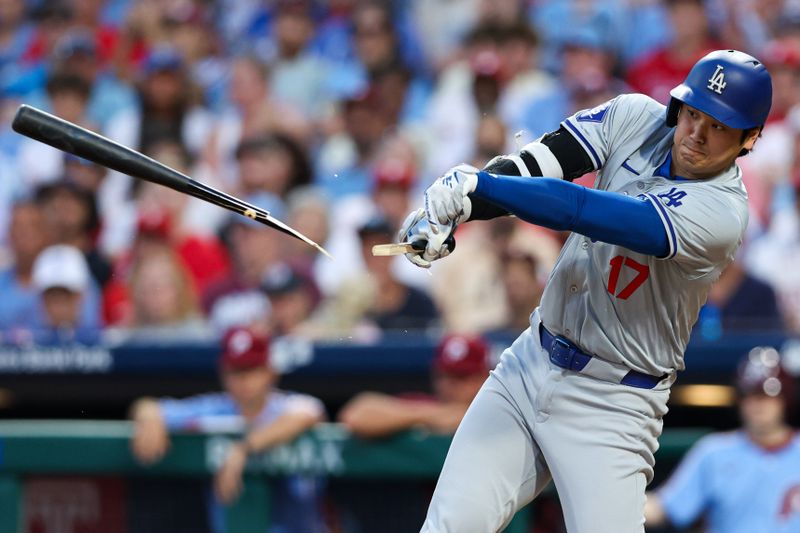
{"x": 672, "y": 112}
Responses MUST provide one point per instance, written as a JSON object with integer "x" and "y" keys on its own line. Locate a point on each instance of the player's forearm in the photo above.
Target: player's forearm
{"x": 560, "y": 205}
{"x": 654, "y": 514}
{"x": 377, "y": 416}
{"x": 284, "y": 429}
{"x": 146, "y": 409}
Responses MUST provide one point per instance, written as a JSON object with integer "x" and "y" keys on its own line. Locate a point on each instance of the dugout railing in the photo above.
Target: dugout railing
{"x": 102, "y": 448}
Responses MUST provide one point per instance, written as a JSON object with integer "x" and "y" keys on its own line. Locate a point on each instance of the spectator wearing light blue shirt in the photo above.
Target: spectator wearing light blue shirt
{"x": 745, "y": 481}
{"x": 26, "y": 238}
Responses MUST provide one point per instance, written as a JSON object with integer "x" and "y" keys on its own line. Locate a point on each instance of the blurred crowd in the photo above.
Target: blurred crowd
{"x": 334, "y": 116}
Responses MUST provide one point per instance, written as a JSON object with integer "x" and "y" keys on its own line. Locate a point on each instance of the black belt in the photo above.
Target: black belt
{"x": 565, "y": 354}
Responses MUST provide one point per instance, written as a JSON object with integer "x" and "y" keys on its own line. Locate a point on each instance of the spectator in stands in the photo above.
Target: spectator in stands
{"x": 252, "y": 113}
{"x": 77, "y": 53}
{"x": 188, "y": 26}
{"x": 747, "y": 480}
{"x": 556, "y": 22}
{"x": 169, "y": 106}
{"x": 164, "y": 301}
{"x": 71, "y": 218}
{"x": 299, "y": 78}
{"x": 292, "y": 296}
{"x": 394, "y": 175}
{"x": 61, "y": 277}
{"x": 52, "y": 21}
{"x": 85, "y": 174}
{"x": 477, "y": 307}
{"x": 393, "y": 305}
{"x": 16, "y": 33}
{"x": 490, "y": 140}
{"x": 375, "y": 38}
{"x": 271, "y": 163}
{"x": 254, "y": 248}
{"x": 751, "y": 25}
{"x": 500, "y": 76}
{"x": 587, "y": 78}
{"x": 739, "y": 302}
{"x": 369, "y": 303}
{"x": 343, "y": 163}
{"x": 268, "y": 416}
{"x": 441, "y": 43}
{"x": 381, "y": 61}
{"x": 27, "y": 238}
{"x": 768, "y": 173}
{"x": 38, "y": 162}
{"x": 308, "y": 213}
{"x": 768, "y": 257}
{"x": 181, "y": 218}
{"x": 464, "y": 91}
{"x": 658, "y": 72}
{"x": 523, "y": 281}
{"x": 459, "y": 368}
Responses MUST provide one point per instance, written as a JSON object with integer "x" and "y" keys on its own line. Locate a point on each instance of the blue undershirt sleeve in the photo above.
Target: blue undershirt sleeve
{"x": 561, "y": 205}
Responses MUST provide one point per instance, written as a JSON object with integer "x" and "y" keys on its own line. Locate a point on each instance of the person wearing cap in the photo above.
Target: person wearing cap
{"x": 61, "y": 277}
{"x": 458, "y": 369}
{"x": 292, "y": 295}
{"x": 394, "y": 175}
{"x": 377, "y": 301}
{"x": 747, "y": 480}
{"x": 76, "y": 52}
{"x": 250, "y": 400}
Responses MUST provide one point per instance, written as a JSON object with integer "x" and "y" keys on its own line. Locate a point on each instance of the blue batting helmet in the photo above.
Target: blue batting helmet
{"x": 731, "y": 86}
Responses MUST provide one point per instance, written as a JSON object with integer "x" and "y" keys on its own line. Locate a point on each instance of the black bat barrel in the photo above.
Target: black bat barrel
{"x": 81, "y": 142}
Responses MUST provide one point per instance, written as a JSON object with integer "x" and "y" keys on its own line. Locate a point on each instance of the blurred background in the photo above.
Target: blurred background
{"x": 123, "y": 391}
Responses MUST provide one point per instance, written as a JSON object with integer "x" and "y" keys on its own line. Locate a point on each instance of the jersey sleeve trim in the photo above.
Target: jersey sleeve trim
{"x": 521, "y": 166}
{"x": 585, "y": 143}
{"x": 672, "y": 240}
{"x": 548, "y": 163}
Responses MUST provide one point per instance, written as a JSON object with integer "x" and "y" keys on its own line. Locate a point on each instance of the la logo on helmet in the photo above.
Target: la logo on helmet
{"x": 717, "y": 80}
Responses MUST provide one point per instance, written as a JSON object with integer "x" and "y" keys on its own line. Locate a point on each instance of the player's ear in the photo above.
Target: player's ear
{"x": 750, "y": 137}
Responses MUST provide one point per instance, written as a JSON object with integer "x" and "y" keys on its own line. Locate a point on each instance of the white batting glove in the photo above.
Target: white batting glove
{"x": 446, "y": 199}
{"x": 418, "y": 230}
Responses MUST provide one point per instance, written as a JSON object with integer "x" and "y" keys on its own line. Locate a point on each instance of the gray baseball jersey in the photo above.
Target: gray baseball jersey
{"x": 595, "y": 435}
{"x": 624, "y": 306}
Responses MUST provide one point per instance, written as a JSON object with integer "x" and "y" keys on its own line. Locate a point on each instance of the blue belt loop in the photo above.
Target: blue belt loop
{"x": 565, "y": 354}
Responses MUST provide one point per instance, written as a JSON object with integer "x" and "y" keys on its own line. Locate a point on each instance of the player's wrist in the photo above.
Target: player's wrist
{"x": 245, "y": 446}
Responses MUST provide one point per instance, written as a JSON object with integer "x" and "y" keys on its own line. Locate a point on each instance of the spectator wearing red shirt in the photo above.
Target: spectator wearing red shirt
{"x": 667, "y": 67}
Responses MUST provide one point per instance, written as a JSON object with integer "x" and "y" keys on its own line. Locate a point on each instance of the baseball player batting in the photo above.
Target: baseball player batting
{"x": 580, "y": 395}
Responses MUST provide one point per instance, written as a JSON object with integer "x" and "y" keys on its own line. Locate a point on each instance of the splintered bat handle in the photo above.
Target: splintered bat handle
{"x": 397, "y": 249}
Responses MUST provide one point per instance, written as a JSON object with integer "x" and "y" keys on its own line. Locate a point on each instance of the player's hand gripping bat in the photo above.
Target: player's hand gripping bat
{"x": 73, "y": 139}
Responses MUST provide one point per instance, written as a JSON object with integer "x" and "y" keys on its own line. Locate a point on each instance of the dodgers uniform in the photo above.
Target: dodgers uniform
{"x": 579, "y": 397}
{"x": 739, "y": 486}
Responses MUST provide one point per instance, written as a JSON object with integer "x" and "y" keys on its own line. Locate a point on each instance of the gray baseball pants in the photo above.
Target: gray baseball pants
{"x": 532, "y": 422}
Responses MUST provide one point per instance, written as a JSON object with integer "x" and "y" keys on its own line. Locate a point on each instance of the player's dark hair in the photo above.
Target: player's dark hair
{"x": 745, "y": 134}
